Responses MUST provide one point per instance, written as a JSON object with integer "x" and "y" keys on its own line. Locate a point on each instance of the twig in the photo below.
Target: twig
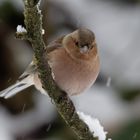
{"x": 33, "y": 22}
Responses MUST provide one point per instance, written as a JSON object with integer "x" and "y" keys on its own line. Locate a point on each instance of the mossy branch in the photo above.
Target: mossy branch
{"x": 33, "y": 23}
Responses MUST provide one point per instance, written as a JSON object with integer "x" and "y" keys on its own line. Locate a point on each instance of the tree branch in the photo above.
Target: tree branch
{"x": 33, "y": 22}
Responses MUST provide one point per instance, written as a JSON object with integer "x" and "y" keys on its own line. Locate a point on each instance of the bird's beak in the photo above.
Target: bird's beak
{"x": 84, "y": 49}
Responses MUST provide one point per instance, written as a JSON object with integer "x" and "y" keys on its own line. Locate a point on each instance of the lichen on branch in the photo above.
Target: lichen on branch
{"x": 33, "y": 23}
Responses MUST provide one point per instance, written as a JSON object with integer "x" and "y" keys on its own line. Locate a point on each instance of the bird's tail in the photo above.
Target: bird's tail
{"x": 17, "y": 87}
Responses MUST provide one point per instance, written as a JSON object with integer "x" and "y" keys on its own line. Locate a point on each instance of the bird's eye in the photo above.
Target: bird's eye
{"x": 77, "y": 43}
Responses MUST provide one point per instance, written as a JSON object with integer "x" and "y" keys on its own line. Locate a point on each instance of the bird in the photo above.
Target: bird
{"x": 74, "y": 62}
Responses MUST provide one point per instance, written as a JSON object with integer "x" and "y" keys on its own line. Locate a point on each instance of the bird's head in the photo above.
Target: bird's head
{"x": 80, "y": 43}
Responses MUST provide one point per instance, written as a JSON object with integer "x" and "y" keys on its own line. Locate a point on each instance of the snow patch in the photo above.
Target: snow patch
{"x": 21, "y": 29}
{"x": 94, "y": 126}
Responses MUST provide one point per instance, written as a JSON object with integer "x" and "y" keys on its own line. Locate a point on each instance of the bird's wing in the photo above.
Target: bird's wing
{"x": 29, "y": 70}
{"x": 55, "y": 44}
{"x": 32, "y": 67}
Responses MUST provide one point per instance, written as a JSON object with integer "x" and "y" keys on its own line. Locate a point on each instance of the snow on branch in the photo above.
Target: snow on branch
{"x": 94, "y": 126}
{"x": 20, "y": 29}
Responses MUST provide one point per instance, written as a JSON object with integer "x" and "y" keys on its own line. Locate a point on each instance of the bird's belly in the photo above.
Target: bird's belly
{"x": 74, "y": 78}
{"x": 71, "y": 76}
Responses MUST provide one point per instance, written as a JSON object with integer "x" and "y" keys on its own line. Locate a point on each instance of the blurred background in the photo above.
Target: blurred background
{"x": 115, "y": 97}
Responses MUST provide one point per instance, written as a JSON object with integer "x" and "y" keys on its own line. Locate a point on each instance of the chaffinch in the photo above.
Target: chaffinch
{"x": 74, "y": 61}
